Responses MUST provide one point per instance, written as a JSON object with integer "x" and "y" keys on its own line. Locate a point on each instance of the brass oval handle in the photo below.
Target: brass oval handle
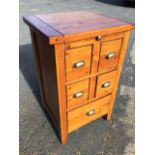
{"x": 99, "y": 38}
{"x": 106, "y": 84}
{"x": 110, "y": 55}
{"x": 78, "y": 94}
{"x": 79, "y": 64}
{"x": 91, "y": 112}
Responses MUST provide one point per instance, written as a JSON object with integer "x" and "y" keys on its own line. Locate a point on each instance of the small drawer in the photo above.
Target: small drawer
{"x": 77, "y": 93}
{"x": 109, "y": 55}
{"x": 88, "y": 113}
{"x": 78, "y": 62}
{"x": 105, "y": 84}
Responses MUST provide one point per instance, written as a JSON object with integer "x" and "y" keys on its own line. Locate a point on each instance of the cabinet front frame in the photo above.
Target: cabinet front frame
{"x": 92, "y": 77}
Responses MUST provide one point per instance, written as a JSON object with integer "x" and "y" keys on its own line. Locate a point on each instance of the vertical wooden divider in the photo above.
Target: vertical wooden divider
{"x": 61, "y": 79}
{"x": 94, "y": 66}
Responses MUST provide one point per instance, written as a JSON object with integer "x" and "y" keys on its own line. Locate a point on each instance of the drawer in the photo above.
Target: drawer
{"x": 105, "y": 83}
{"x": 109, "y": 55}
{"x": 77, "y": 93}
{"x": 88, "y": 113}
{"x": 78, "y": 62}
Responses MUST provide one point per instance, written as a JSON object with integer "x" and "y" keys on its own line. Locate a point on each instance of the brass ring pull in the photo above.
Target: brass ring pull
{"x": 91, "y": 112}
{"x": 110, "y": 55}
{"x": 78, "y": 94}
{"x": 106, "y": 84}
{"x": 79, "y": 64}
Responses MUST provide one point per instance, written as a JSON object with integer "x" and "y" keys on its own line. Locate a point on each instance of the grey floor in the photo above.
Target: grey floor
{"x": 37, "y": 137}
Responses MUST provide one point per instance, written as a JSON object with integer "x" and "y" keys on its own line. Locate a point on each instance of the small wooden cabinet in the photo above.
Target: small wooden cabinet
{"x": 79, "y": 57}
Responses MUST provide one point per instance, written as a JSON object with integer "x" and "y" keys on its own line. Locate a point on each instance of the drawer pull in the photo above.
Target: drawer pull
{"x": 91, "y": 112}
{"x": 99, "y": 38}
{"x": 78, "y": 94}
{"x": 79, "y": 64}
{"x": 110, "y": 55}
{"x": 106, "y": 84}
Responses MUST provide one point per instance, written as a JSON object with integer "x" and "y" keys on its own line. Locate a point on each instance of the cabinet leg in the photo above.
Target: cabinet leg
{"x": 64, "y": 139}
{"x": 107, "y": 116}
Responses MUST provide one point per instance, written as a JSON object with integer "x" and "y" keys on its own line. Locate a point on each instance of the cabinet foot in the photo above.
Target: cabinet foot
{"x": 64, "y": 139}
{"x": 107, "y": 117}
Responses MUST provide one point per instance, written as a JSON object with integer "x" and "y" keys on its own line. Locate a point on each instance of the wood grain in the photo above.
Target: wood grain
{"x": 46, "y": 64}
{"x": 94, "y": 66}
{"x": 107, "y": 47}
{"x": 76, "y": 22}
{"x": 74, "y": 55}
{"x": 120, "y": 65}
{"x": 61, "y": 40}
{"x": 42, "y": 27}
{"x": 73, "y": 26}
{"x": 82, "y": 86}
{"x": 79, "y": 117}
{"x": 103, "y": 78}
{"x": 60, "y": 72}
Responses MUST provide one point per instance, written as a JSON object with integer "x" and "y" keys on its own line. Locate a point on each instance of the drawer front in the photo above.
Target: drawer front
{"x": 109, "y": 55}
{"x": 78, "y": 62}
{"x": 77, "y": 93}
{"x": 105, "y": 84}
{"x": 87, "y": 113}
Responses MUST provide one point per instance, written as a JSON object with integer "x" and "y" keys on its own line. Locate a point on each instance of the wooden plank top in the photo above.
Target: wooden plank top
{"x": 69, "y": 23}
{"x": 76, "y": 22}
{"x": 41, "y": 26}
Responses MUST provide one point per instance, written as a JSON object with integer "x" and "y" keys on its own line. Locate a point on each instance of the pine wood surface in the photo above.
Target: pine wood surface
{"x": 79, "y": 117}
{"x": 79, "y": 57}
{"x": 76, "y": 22}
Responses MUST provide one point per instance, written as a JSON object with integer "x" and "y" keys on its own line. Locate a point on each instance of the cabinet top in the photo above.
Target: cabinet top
{"x": 69, "y": 23}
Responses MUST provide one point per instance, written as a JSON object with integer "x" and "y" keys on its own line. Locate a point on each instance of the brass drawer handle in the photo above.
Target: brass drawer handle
{"x": 78, "y": 94}
{"x": 91, "y": 112}
{"x": 79, "y": 64}
{"x": 106, "y": 84}
{"x": 98, "y": 38}
{"x": 110, "y": 55}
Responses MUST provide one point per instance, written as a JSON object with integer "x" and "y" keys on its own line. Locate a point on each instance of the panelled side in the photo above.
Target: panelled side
{"x": 46, "y": 65}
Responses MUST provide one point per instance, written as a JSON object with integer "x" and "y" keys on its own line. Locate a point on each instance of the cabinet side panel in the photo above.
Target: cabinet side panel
{"x": 38, "y": 65}
{"x": 45, "y": 59}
